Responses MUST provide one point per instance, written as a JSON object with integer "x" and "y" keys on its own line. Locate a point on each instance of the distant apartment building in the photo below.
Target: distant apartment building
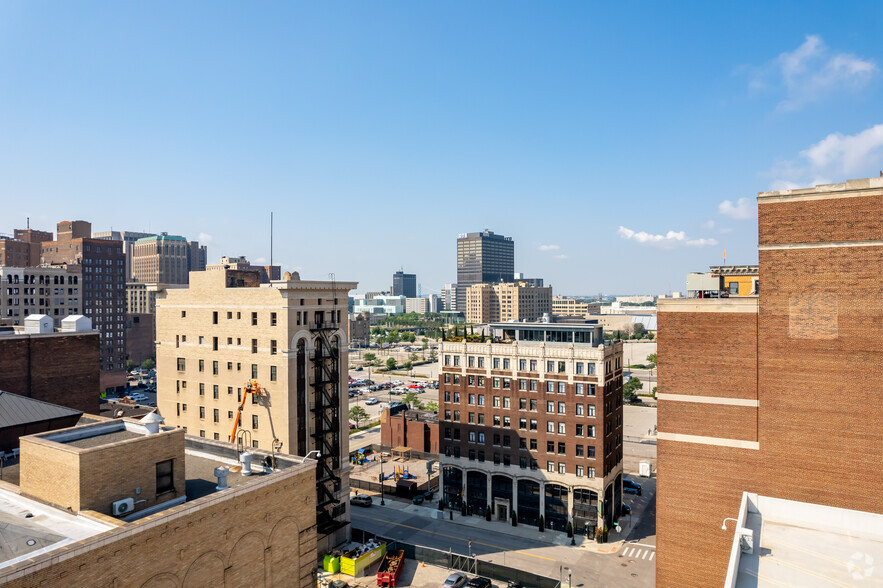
{"x": 134, "y": 502}
{"x": 267, "y": 273}
{"x": 103, "y": 291}
{"x": 634, "y": 299}
{"x": 404, "y": 285}
{"x": 59, "y": 366}
{"x": 776, "y": 395}
{"x": 423, "y": 305}
{"x": 128, "y": 239}
{"x": 487, "y": 303}
{"x": 483, "y": 257}
{"x": 449, "y": 297}
{"x": 225, "y": 331}
{"x": 51, "y": 290}
{"x": 531, "y": 424}
{"x": 161, "y": 258}
{"x": 562, "y": 306}
{"x": 198, "y": 258}
{"x": 23, "y": 249}
{"x": 376, "y": 303}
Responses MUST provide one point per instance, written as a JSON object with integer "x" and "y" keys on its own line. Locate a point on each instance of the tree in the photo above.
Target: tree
{"x": 433, "y": 354}
{"x": 412, "y": 400}
{"x": 391, "y": 363}
{"x": 639, "y": 330}
{"x": 650, "y": 335}
{"x": 432, "y": 405}
{"x": 358, "y": 414}
{"x": 370, "y": 357}
{"x": 630, "y": 389}
{"x": 130, "y": 365}
{"x": 407, "y": 365}
{"x": 148, "y": 364}
{"x": 414, "y": 357}
{"x": 651, "y": 358}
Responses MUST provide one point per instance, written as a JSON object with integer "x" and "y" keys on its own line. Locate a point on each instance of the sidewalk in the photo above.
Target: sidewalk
{"x": 548, "y": 537}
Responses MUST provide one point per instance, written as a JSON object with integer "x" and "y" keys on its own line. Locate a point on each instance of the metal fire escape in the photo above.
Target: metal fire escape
{"x": 326, "y": 416}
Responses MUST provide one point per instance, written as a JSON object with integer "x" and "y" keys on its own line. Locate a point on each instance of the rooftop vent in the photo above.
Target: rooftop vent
{"x": 152, "y": 421}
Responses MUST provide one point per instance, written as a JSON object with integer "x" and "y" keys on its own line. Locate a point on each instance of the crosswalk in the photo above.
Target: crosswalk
{"x": 636, "y": 552}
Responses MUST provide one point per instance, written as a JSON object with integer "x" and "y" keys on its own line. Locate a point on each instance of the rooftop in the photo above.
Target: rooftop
{"x": 160, "y": 238}
{"x": 18, "y": 410}
{"x": 825, "y": 190}
{"x": 802, "y": 544}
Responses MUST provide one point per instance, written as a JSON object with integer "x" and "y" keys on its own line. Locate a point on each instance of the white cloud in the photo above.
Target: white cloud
{"x": 204, "y": 238}
{"x": 560, "y": 256}
{"x": 669, "y": 240}
{"x": 741, "y": 210}
{"x": 835, "y": 158}
{"x": 550, "y": 247}
{"x": 811, "y": 73}
{"x": 709, "y": 224}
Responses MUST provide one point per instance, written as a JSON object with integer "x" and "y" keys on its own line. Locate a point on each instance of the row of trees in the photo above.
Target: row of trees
{"x": 359, "y": 415}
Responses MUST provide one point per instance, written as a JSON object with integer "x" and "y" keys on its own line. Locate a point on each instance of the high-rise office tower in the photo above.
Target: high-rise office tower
{"x": 128, "y": 238}
{"x": 404, "y": 284}
{"x": 483, "y": 257}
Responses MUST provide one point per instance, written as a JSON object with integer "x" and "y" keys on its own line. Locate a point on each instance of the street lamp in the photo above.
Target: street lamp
{"x": 382, "y": 503}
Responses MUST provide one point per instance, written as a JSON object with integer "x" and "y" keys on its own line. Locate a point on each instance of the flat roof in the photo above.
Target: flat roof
{"x": 803, "y": 544}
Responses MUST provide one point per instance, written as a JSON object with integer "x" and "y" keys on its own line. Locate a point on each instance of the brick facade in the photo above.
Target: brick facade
{"x": 787, "y": 411}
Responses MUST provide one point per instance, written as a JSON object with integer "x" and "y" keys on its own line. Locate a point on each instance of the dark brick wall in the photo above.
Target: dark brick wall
{"x": 814, "y": 221}
{"x": 61, "y": 369}
{"x": 140, "y": 337}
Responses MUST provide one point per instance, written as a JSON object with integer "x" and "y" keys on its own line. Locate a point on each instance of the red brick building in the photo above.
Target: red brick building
{"x": 60, "y": 368}
{"x": 774, "y": 394}
{"x": 415, "y": 429}
{"x": 103, "y": 291}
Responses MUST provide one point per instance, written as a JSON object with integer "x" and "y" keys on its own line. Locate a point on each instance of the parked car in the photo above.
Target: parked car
{"x": 372, "y": 401}
{"x": 361, "y": 500}
{"x": 358, "y": 369}
{"x": 626, "y": 509}
{"x": 455, "y": 580}
{"x": 479, "y": 582}
{"x": 630, "y": 487}
{"x": 417, "y": 499}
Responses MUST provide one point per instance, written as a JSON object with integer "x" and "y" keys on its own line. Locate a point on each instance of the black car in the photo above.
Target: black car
{"x": 630, "y": 487}
{"x": 626, "y": 509}
{"x": 479, "y": 582}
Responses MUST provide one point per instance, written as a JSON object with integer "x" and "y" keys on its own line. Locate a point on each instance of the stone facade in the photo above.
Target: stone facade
{"x": 489, "y": 303}
{"x": 55, "y": 291}
{"x": 759, "y": 394}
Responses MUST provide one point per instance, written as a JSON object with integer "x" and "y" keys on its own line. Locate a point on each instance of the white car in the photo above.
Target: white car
{"x": 372, "y": 401}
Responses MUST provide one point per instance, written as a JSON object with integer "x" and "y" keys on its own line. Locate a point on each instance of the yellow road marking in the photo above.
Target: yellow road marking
{"x": 459, "y": 538}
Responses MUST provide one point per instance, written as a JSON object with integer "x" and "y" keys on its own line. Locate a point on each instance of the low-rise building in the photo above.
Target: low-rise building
{"x": 724, "y": 281}
{"x": 532, "y": 424}
{"x": 562, "y": 306}
{"x": 135, "y": 503}
{"x": 415, "y": 429}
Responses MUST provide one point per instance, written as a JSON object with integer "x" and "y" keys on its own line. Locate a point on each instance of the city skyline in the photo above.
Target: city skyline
{"x": 619, "y": 157}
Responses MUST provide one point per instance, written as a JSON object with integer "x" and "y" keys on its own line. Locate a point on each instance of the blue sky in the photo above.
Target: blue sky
{"x": 621, "y": 145}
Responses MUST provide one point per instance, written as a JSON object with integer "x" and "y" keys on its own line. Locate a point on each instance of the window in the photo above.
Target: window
{"x": 447, "y": 378}
{"x": 456, "y": 380}
{"x": 550, "y": 406}
{"x": 202, "y": 365}
{"x": 506, "y": 363}
{"x": 506, "y": 441}
{"x": 496, "y": 402}
{"x": 496, "y": 382}
{"x": 590, "y": 390}
{"x": 229, "y": 365}
{"x": 562, "y": 448}
{"x": 550, "y": 447}
{"x": 562, "y": 387}
{"x": 216, "y": 415}
{"x": 201, "y": 389}
{"x": 579, "y": 471}
{"x": 522, "y": 384}
{"x": 202, "y": 432}
{"x": 472, "y": 436}
{"x": 579, "y": 430}
{"x": 562, "y": 367}
{"x": 533, "y": 365}
{"x": 215, "y": 391}
{"x": 272, "y": 373}
{"x": 215, "y": 368}
{"x": 471, "y": 454}
{"x": 447, "y": 395}
{"x": 562, "y": 468}
{"x": 579, "y": 410}
{"x": 522, "y": 424}
{"x": 214, "y": 343}
{"x": 447, "y": 360}
{"x": 522, "y": 404}
{"x": 506, "y": 402}
{"x": 481, "y": 380}
{"x": 215, "y": 317}
{"x": 580, "y": 389}
{"x": 254, "y": 421}
{"x": 181, "y": 364}
{"x": 254, "y": 371}
{"x": 590, "y": 369}
{"x": 550, "y": 427}
{"x": 590, "y": 451}
{"x": 590, "y": 472}
{"x": 217, "y": 437}
{"x": 272, "y": 319}
{"x": 579, "y": 367}
{"x": 481, "y": 362}
{"x": 254, "y": 345}
{"x": 507, "y": 383}
{"x": 272, "y": 346}
{"x": 562, "y": 429}
{"x": 447, "y": 415}
{"x": 481, "y": 437}
{"x": 579, "y": 451}
{"x": 254, "y": 444}
{"x": 522, "y": 462}
{"x": 471, "y": 418}
{"x": 202, "y": 412}
{"x": 533, "y": 405}
{"x": 590, "y": 410}
{"x": 496, "y": 420}
{"x": 229, "y": 414}
{"x": 165, "y": 480}
{"x": 254, "y": 319}
{"x": 496, "y": 439}
{"x": 481, "y": 418}
{"x": 550, "y": 466}
{"x": 561, "y": 407}
{"x": 590, "y": 431}
{"x": 533, "y": 385}
{"x": 183, "y": 314}
{"x": 470, "y": 361}
{"x": 550, "y": 387}
{"x": 456, "y": 397}
{"x": 496, "y": 363}
{"x": 456, "y": 416}
{"x": 533, "y": 424}
{"x": 507, "y": 422}
{"x": 471, "y": 399}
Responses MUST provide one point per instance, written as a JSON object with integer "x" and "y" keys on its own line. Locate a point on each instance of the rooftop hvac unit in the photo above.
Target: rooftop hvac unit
{"x": 124, "y": 506}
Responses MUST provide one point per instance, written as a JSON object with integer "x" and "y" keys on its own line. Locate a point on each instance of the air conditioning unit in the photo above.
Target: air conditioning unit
{"x": 124, "y": 506}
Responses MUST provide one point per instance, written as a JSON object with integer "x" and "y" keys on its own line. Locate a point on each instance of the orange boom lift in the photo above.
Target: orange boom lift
{"x": 251, "y": 387}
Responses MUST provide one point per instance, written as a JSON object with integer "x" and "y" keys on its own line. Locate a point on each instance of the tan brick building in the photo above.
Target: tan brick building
{"x": 774, "y": 394}
{"x": 161, "y": 258}
{"x": 487, "y": 303}
{"x": 562, "y": 306}
{"x": 130, "y": 502}
{"x": 225, "y": 330}
{"x": 531, "y": 422}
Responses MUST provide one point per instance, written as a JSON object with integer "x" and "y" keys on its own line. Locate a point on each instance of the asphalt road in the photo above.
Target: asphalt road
{"x": 527, "y": 553}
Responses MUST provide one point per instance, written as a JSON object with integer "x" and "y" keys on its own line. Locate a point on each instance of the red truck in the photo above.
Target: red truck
{"x": 390, "y": 568}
